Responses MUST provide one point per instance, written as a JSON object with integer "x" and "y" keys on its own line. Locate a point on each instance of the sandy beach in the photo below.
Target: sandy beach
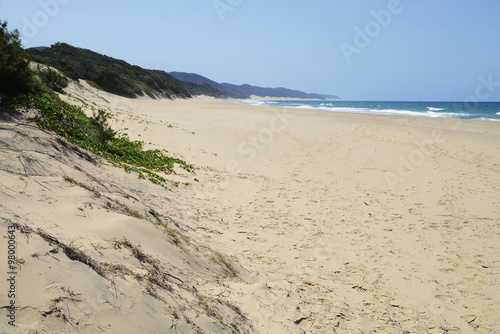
{"x": 333, "y": 222}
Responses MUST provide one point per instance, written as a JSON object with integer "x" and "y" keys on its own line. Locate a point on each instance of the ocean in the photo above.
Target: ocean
{"x": 487, "y": 111}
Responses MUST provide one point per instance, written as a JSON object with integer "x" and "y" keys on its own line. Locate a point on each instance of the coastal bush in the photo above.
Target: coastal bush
{"x": 112, "y": 75}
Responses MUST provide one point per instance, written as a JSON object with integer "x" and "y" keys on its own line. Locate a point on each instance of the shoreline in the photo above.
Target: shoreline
{"x": 270, "y": 98}
{"x": 431, "y": 112}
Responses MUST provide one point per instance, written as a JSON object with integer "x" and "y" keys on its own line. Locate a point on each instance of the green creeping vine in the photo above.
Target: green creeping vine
{"x": 95, "y": 135}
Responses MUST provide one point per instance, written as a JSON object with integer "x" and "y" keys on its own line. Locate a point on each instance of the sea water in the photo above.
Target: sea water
{"x": 487, "y": 111}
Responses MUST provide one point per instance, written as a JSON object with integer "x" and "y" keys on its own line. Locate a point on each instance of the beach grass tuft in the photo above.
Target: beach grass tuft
{"x": 222, "y": 259}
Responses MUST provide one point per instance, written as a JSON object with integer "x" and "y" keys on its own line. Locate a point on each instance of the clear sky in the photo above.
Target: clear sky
{"x": 434, "y": 50}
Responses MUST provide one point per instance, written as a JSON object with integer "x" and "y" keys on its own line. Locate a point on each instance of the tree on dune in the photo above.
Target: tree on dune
{"x": 15, "y": 73}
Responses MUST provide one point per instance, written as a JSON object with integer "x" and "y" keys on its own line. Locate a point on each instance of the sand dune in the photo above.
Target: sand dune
{"x": 336, "y": 223}
{"x": 91, "y": 255}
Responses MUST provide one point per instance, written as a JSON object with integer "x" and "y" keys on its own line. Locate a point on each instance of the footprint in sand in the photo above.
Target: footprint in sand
{"x": 325, "y": 246}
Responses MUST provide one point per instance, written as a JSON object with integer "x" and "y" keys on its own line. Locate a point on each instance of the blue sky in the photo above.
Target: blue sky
{"x": 435, "y": 50}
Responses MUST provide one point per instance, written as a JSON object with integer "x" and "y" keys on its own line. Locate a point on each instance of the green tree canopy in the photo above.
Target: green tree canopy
{"x": 15, "y": 73}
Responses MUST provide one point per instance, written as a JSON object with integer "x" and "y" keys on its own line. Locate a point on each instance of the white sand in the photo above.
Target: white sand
{"x": 342, "y": 222}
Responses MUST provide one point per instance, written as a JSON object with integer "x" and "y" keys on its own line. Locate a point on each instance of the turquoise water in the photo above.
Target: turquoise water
{"x": 488, "y": 111}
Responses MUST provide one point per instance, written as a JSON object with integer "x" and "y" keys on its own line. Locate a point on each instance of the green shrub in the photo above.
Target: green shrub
{"x": 52, "y": 79}
{"x": 100, "y": 122}
{"x": 93, "y": 84}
